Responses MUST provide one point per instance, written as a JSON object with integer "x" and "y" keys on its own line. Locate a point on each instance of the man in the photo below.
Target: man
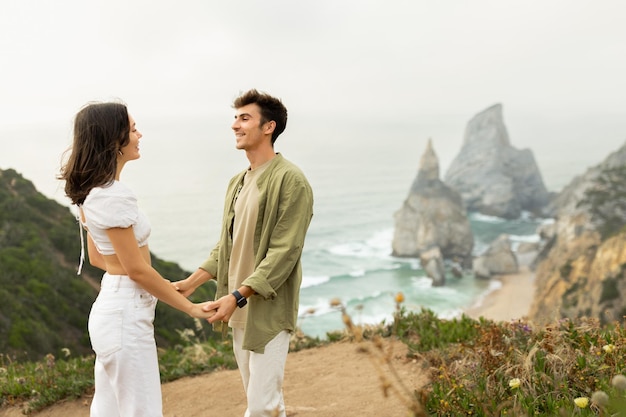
{"x": 256, "y": 262}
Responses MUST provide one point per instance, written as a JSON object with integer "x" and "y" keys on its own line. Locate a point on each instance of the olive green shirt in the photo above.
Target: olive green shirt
{"x": 285, "y": 212}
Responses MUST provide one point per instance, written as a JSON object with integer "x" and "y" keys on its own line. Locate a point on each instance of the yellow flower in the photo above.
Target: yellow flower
{"x": 399, "y": 298}
{"x": 515, "y": 383}
{"x": 608, "y": 348}
{"x": 581, "y": 402}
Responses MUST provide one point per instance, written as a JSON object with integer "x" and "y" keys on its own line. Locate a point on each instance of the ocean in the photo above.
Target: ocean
{"x": 360, "y": 173}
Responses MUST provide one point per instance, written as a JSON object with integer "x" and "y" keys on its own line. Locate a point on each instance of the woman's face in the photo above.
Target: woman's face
{"x": 130, "y": 152}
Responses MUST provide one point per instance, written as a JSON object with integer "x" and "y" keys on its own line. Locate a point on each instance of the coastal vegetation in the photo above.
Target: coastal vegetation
{"x": 572, "y": 366}
{"x": 474, "y": 367}
{"x": 44, "y": 304}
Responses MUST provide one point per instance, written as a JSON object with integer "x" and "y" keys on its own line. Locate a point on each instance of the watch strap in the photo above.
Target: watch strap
{"x": 241, "y": 300}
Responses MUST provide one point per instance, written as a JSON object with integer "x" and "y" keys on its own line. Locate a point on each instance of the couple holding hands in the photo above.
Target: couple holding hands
{"x": 256, "y": 261}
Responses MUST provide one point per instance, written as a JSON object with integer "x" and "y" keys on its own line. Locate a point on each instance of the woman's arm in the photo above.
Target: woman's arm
{"x": 146, "y": 276}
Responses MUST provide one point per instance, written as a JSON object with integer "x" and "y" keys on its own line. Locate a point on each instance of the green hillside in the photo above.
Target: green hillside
{"x": 44, "y": 304}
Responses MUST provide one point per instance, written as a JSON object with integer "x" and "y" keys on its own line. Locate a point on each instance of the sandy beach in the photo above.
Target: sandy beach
{"x": 513, "y": 299}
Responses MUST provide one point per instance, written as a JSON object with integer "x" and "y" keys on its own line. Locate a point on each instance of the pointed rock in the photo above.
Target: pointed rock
{"x": 432, "y": 216}
{"x": 492, "y": 176}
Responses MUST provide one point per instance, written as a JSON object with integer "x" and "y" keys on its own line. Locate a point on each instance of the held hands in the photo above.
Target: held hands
{"x": 202, "y": 311}
{"x": 222, "y": 308}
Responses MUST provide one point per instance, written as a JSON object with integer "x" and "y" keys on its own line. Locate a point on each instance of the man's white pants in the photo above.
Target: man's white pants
{"x": 263, "y": 374}
{"x": 122, "y": 335}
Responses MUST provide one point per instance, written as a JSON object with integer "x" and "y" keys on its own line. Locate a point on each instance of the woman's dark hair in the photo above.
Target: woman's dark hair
{"x": 100, "y": 131}
{"x": 271, "y": 109}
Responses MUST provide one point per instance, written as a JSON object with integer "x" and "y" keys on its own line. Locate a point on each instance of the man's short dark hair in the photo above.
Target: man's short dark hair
{"x": 271, "y": 109}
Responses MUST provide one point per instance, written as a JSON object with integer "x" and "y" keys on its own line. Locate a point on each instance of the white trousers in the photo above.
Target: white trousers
{"x": 122, "y": 335}
{"x": 263, "y": 374}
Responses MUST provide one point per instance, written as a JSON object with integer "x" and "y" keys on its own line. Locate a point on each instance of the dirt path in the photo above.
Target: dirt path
{"x": 329, "y": 381}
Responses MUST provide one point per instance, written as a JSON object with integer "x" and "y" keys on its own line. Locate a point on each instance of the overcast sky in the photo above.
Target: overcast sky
{"x": 346, "y": 59}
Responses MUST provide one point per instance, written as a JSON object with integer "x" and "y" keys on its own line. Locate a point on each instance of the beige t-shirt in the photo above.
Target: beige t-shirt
{"x": 241, "y": 263}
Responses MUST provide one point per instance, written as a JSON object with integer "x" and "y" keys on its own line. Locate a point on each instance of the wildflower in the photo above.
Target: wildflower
{"x": 66, "y": 352}
{"x": 608, "y": 348}
{"x": 581, "y": 402}
{"x": 187, "y": 335}
{"x": 619, "y": 382}
{"x": 399, "y": 298}
{"x": 50, "y": 360}
{"x": 600, "y": 398}
{"x": 515, "y": 383}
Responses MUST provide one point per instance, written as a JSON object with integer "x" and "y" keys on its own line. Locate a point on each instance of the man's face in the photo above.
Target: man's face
{"x": 249, "y": 132}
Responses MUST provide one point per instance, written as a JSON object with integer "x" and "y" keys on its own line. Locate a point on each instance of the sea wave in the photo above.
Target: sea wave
{"x": 494, "y": 285}
{"x": 378, "y": 246}
{"x": 313, "y": 281}
{"x": 486, "y": 218}
{"x": 534, "y": 238}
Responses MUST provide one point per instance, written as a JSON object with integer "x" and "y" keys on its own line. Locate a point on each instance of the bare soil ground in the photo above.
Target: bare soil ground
{"x": 329, "y": 381}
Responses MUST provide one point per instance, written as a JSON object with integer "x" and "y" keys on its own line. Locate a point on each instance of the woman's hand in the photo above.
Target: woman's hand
{"x": 199, "y": 311}
{"x": 188, "y": 285}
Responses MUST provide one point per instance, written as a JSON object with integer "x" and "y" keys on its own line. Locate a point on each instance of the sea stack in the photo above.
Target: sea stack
{"x": 432, "y": 216}
{"x": 492, "y": 176}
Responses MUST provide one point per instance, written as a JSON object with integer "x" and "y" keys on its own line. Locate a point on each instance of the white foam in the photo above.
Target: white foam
{"x": 313, "y": 281}
{"x": 486, "y": 219}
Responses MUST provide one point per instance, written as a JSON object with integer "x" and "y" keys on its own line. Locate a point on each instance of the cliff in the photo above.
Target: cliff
{"x": 581, "y": 271}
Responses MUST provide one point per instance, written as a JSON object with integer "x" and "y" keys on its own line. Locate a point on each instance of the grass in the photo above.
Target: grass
{"x": 474, "y": 367}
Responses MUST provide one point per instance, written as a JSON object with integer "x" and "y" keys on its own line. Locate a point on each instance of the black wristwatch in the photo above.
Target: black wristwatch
{"x": 241, "y": 300}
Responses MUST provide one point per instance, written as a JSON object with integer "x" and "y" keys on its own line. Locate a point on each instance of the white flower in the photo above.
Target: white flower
{"x": 600, "y": 398}
{"x": 619, "y": 382}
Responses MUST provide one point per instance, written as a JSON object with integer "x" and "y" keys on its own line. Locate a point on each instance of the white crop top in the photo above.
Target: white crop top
{"x": 112, "y": 206}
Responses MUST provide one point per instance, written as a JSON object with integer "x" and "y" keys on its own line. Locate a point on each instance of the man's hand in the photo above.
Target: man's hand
{"x": 224, "y": 308}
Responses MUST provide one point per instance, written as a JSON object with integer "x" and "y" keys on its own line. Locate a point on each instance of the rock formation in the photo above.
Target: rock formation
{"x": 498, "y": 259}
{"x": 581, "y": 272}
{"x": 432, "y": 216}
{"x": 492, "y": 176}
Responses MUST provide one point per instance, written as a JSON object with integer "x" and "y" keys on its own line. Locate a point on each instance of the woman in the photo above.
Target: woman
{"x": 121, "y": 319}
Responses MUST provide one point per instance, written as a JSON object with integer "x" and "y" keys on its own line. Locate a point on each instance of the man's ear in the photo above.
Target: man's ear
{"x": 269, "y": 127}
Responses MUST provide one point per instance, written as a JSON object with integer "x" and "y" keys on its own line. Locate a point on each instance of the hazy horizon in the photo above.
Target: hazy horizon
{"x": 392, "y": 74}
